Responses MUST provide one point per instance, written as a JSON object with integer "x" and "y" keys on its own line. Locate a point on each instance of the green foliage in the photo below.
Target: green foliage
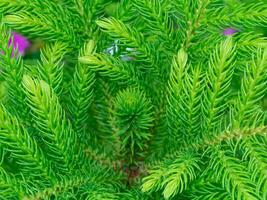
{"x": 253, "y": 89}
{"x": 25, "y": 151}
{"x": 50, "y": 67}
{"x": 51, "y": 123}
{"x": 252, "y": 14}
{"x": 109, "y": 67}
{"x": 133, "y": 117}
{"x": 208, "y": 190}
{"x": 233, "y": 175}
{"x": 81, "y": 92}
{"x": 153, "y": 102}
{"x": 7, "y": 186}
{"x": 218, "y": 80}
{"x": 12, "y": 69}
{"x": 172, "y": 175}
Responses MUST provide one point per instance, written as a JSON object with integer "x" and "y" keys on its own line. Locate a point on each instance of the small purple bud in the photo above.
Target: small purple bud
{"x": 19, "y": 42}
{"x": 229, "y": 31}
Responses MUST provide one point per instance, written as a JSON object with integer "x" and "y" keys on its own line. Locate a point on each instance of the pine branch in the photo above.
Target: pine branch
{"x": 209, "y": 191}
{"x": 88, "y": 12}
{"x": 157, "y": 20}
{"x": 256, "y": 156}
{"x": 56, "y": 133}
{"x": 175, "y": 88}
{"x": 41, "y": 23}
{"x": 133, "y": 115}
{"x": 253, "y": 88}
{"x": 64, "y": 189}
{"x": 16, "y": 140}
{"x": 110, "y": 67}
{"x": 130, "y": 37}
{"x": 246, "y": 42}
{"x": 81, "y": 91}
{"x": 229, "y": 135}
{"x": 225, "y": 136}
{"x": 91, "y": 182}
{"x": 103, "y": 109}
{"x": 233, "y": 175}
{"x": 8, "y": 7}
{"x": 240, "y": 15}
{"x": 9, "y": 189}
{"x": 218, "y": 79}
{"x": 172, "y": 175}
{"x": 190, "y": 107}
{"x": 251, "y": 41}
{"x": 50, "y": 68}
{"x": 195, "y": 14}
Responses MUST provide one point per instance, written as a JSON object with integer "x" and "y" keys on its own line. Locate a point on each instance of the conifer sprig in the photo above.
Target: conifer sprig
{"x": 233, "y": 175}
{"x": 133, "y": 117}
{"x": 218, "y": 80}
{"x": 253, "y": 89}
{"x": 81, "y": 91}
{"x": 52, "y": 124}
{"x": 130, "y": 37}
{"x": 50, "y": 67}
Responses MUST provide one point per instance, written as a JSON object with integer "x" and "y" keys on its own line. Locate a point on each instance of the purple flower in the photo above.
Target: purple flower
{"x": 19, "y": 42}
{"x": 229, "y": 31}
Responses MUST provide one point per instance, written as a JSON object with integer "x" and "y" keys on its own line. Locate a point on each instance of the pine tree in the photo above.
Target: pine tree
{"x": 158, "y": 99}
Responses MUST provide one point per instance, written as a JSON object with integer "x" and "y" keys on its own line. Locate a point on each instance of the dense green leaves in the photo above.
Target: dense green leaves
{"x": 134, "y": 99}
